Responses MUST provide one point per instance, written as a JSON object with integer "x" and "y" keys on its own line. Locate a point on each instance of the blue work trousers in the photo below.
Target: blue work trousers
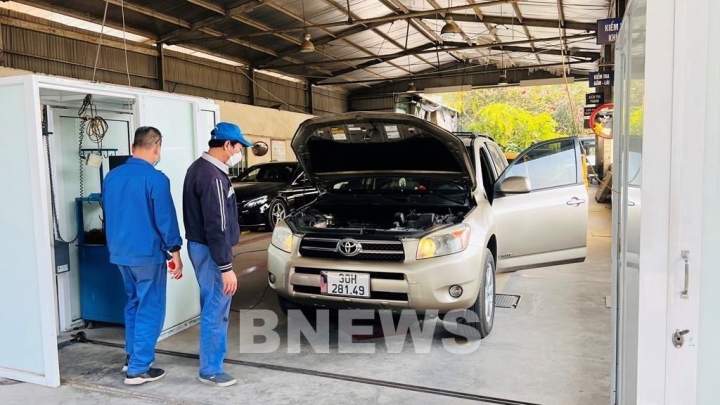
{"x": 214, "y": 310}
{"x": 144, "y": 313}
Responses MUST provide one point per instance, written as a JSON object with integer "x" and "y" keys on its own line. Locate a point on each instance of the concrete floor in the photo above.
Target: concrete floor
{"x": 554, "y": 348}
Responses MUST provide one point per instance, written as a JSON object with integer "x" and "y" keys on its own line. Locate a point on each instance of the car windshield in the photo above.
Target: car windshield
{"x": 267, "y": 174}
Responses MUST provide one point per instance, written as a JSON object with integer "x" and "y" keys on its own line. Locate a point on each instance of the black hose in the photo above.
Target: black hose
{"x": 359, "y": 380}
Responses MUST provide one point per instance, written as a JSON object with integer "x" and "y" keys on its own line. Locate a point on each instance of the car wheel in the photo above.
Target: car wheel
{"x": 276, "y": 212}
{"x": 483, "y": 309}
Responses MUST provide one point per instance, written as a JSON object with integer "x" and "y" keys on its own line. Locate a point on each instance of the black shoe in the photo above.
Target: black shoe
{"x": 153, "y": 374}
{"x": 127, "y": 361}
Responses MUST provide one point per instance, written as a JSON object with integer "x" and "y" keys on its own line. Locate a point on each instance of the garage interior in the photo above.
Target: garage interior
{"x": 552, "y": 341}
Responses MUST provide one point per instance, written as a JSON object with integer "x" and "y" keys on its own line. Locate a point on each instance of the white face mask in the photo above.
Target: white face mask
{"x": 234, "y": 159}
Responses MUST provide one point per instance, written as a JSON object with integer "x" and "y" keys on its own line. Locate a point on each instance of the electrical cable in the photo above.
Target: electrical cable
{"x": 80, "y": 337}
{"x": 102, "y": 29}
{"x": 267, "y": 287}
{"x": 271, "y": 94}
{"x": 53, "y": 205}
{"x": 127, "y": 68}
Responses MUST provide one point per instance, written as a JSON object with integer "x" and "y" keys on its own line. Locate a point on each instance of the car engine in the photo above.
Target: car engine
{"x": 378, "y": 218}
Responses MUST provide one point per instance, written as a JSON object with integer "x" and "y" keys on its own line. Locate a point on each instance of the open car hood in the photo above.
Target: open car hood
{"x": 364, "y": 143}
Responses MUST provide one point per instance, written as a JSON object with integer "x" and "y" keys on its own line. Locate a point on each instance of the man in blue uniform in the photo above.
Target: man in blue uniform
{"x": 212, "y": 229}
{"x": 142, "y": 232}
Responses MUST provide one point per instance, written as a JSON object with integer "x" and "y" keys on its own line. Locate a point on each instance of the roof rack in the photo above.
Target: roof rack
{"x": 472, "y": 135}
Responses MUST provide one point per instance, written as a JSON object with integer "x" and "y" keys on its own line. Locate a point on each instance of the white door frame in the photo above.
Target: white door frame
{"x": 671, "y": 217}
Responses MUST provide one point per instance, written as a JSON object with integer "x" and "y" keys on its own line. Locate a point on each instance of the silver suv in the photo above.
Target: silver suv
{"x": 411, "y": 216}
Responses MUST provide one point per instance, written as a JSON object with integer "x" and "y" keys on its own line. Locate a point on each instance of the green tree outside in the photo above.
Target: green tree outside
{"x": 518, "y": 116}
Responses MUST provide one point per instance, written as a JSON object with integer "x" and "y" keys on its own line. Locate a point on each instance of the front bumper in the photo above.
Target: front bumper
{"x": 252, "y": 217}
{"x": 421, "y": 285}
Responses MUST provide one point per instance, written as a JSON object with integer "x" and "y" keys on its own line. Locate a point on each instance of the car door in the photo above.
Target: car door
{"x": 541, "y": 207}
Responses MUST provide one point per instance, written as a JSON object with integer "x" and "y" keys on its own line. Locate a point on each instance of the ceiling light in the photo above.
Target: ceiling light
{"x": 307, "y": 45}
{"x": 450, "y": 30}
{"x": 411, "y": 87}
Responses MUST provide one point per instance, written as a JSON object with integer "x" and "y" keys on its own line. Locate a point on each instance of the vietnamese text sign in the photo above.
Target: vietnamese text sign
{"x": 607, "y": 30}
{"x": 595, "y": 98}
{"x": 602, "y": 79}
{"x": 587, "y": 111}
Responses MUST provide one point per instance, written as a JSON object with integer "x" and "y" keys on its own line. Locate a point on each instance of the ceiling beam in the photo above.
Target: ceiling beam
{"x": 291, "y": 50}
{"x": 352, "y": 16}
{"x": 519, "y": 16}
{"x": 530, "y": 22}
{"x": 382, "y": 19}
{"x": 244, "y": 7}
{"x": 297, "y": 48}
{"x": 429, "y": 48}
{"x": 448, "y": 72}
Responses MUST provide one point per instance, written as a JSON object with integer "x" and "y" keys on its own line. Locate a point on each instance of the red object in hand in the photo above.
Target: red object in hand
{"x": 171, "y": 265}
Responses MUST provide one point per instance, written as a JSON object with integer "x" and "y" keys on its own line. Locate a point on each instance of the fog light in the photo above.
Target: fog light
{"x": 455, "y": 291}
{"x": 271, "y": 277}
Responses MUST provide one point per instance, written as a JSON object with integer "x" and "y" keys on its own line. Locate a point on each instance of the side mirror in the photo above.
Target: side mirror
{"x": 260, "y": 148}
{"x": 515, "y": 185}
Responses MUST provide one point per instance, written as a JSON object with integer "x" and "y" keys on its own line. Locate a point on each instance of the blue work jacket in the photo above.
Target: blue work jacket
{"x": 141, "y": 225}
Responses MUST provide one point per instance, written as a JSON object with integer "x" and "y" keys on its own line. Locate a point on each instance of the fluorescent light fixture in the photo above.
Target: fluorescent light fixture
{"x": 545, "y": 82}
{"x": 447, "y": 89}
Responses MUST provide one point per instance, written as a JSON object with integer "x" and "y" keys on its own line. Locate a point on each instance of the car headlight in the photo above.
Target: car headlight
{"x": 255, "y": 202}
{"x": 444, "y": 242}
{"x": 282, "y": 237}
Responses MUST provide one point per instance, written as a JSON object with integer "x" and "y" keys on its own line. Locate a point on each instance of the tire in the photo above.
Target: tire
{"x": 483, "y": 310}
{"x": 276, "y": 211}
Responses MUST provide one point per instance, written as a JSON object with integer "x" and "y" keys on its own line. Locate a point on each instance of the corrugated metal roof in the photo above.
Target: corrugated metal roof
{"x": 372, "y": 40}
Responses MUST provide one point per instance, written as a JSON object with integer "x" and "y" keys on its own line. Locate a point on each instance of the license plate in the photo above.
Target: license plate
{"x": 347, "y": 284}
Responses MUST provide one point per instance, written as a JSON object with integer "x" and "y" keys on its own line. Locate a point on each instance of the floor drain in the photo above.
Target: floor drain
{"x": 506, "y": 300}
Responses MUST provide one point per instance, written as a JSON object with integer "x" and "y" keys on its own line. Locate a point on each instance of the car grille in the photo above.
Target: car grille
{"x": 376, "y": 250}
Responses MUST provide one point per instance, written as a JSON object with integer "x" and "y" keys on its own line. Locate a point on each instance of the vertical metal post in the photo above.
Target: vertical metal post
{"x": 310, "y": 98}
{"x": 161, "y": 67}
{"x": 251, "y": 85}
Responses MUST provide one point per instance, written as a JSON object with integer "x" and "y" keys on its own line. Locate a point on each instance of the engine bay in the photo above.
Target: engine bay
{"x": 377, "y": 218}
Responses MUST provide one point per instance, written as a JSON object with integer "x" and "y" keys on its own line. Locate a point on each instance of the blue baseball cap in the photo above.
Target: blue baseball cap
{"x": 225, "y": 131}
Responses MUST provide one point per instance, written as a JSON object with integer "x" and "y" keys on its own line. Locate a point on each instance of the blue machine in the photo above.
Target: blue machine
{"x": 102, "y": 295}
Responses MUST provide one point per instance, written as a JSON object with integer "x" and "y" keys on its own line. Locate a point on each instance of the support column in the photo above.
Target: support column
{"x": 2, "y": 53}
{"x": 251, "y": 73}
{"x": 310, "y": 98}
{"x": 161, "y": 67}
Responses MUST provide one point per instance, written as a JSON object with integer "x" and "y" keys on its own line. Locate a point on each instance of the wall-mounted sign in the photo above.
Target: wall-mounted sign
{"x": 602, "y": 78}
{"x": 595, "y": 98}
{"x": 607, "y": 30}
{"x": 587, "y": 111}
{"x": 277, "y": 150}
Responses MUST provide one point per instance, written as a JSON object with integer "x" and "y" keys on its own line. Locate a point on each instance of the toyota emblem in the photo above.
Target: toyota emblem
{"x": 349, "y": 247}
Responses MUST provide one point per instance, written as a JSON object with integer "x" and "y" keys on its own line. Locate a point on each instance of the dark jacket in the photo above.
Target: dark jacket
{"x": 210, "y": 209}
{"x": 141, "y": 224}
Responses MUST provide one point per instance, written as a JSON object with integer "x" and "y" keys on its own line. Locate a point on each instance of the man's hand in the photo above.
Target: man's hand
{"x": 176, "y": 266}
{"x": 229, "y": 282}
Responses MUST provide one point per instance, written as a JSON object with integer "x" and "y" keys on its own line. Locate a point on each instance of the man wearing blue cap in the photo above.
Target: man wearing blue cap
{"x": 212, "y": 229}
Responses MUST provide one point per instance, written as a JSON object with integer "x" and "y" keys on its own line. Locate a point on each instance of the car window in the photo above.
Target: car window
{"x": 548, "y": 165}
{"x": 499, "y": 157}
{"x": 488, "y": 176}
{"x": 268, "y": 173}
{"x": 495, "y": 158}
{"x": 495, "y": 170}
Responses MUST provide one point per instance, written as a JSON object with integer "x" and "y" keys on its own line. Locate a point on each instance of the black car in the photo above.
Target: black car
{"x": 266, "y": 192}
